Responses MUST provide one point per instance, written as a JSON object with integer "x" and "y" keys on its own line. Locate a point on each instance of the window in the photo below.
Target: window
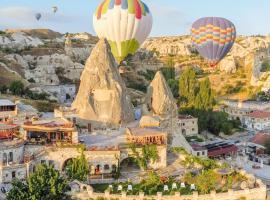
{"x": 51, "y": 163}
{"x": 13, "y": 174}
{"x": 43, "y": 161}
{"x": 53, "y": 136}
{"x": 198, "y": 153}
{"x": 106, "y": 167}
{"x": 4, "y": 159}
{"x": 203, "y": 153}
{"x": 10, "y": 157}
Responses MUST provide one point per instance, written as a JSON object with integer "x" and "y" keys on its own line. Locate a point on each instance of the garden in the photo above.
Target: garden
{"x": 201, "y": 174}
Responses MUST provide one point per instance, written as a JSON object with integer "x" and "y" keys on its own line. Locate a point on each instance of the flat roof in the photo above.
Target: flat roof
{"x": 7, "y": 126}
{"x": 146, "y": 131}
{"x": 6, "y": 102}
{"x": 186, "y": 117}
{"x": 259, "y": 114}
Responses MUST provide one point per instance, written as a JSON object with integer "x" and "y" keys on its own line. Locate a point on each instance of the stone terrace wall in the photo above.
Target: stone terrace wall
{"x": 258, "y": 193}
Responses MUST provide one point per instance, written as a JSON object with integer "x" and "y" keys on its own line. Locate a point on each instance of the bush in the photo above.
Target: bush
{"x": 17, "y": 88}
{"x": 31, "y": 80}
{"x": 265, "y": 66}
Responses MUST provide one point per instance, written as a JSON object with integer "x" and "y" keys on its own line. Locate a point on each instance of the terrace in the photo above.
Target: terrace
{"x": 49, "y": 131}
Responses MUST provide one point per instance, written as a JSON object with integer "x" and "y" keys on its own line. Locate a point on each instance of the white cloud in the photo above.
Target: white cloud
{"x": 169, "y": 20}
{"x": 16, "y": 13}
{"x": 24, "y": 17}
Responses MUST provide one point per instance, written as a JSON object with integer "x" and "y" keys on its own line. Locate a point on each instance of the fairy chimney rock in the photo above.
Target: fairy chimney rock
{"x": 102, "y": 95}
{"x": 159, "y": 98}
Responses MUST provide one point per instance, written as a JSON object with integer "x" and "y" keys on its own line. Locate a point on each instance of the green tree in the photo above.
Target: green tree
{"x": 267, "y": 146}
{"x": 174, "y": 85}
{"x": 207, "y": 181}
{"x": 3, "y": 89}
{"x": 78, "y": 169}
{"x": 17, "y": 88}
{"x": 204, "y": 99}
{"x": 45, "y": 183}
{"x": 188, "y": 86}
{"x": 219, "y": 122}
{"x": 19, "y": 191}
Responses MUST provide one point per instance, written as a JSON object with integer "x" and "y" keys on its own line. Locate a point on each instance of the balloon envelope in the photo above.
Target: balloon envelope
{"x": 213, "y": 38}
{"x": 38, "y": 16}
{"x": 124, "y": 23}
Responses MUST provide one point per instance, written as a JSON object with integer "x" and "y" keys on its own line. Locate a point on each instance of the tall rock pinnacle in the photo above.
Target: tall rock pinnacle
{"x": 102, "y": 96}
{"x": 159, "y": 97}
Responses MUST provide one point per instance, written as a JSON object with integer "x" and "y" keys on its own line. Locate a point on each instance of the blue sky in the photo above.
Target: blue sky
{"x": 171, "y": 17}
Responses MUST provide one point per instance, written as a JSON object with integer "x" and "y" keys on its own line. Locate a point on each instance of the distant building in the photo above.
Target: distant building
{"x": 7, "y": 109}
{"x": 16, "y": 112}
{"x": 260, "y": 138}
{"x": 237, "y": 110}
{"x": 221, "y": 149}
{"x": 188, "y": 125}
{"x": 199, "y": 150}
{"x": 257, "y": 120}
{"x": 146, "y": 136}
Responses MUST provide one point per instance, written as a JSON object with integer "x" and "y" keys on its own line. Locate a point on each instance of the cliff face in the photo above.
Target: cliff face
{"x": 102, "y": 96}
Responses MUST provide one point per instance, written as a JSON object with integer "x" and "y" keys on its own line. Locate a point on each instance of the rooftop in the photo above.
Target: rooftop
{"x": 7, "y": 126}
{"x": 49, "y": 123}
{"x": 259, "y": 114}
{"x": 26, "y": 108}
{"x": 261, "y": 138}
{"x": 197, "y": 147}
{"x": 146, "y": 131}
{"x": 6, "y": 102}
{"x": 185, "y": 117}
{"x": 103, "y": 139}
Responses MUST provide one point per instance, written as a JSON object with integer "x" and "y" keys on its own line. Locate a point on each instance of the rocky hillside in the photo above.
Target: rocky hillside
{"x": 42, "y": 57}
{"x": 242, "y": 72}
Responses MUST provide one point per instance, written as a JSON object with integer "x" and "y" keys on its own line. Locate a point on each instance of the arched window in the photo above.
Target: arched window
{"x": 4, "y": 159}
{"x": 97, "y": 169}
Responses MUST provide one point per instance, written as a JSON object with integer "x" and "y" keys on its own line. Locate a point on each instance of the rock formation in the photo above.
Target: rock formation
{"x": 228, "y": 65}
{"x": 161, "y": 103}
{"x": 159, "y": 98}
{"x": 102, "y": 96}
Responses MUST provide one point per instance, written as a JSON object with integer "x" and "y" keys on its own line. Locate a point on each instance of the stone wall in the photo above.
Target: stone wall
{"x": 258, "y": 193}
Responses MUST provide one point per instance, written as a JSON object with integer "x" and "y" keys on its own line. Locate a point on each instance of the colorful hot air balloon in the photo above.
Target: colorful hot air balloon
{"x": 213, "y": 38}
{"x": 54, "y": 9}
{"x": 38, "y": 16}
{"x": 124, "y": 23}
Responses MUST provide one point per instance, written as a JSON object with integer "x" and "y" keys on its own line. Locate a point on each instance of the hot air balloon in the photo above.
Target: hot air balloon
{"x": 38, "y": 16}
{"x": 124, "y": 23}
{"x": 54, "y": 9}
{"x": 213, "y": 38}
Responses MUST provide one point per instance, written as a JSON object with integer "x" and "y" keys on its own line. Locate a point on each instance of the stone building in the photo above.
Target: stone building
{"x": 188, "y": 125}
{"x": 257, "y": 120}
{"x": 7, "y": 109}
{"x": 237, "y": 110}
{"x": 11, "y": 154}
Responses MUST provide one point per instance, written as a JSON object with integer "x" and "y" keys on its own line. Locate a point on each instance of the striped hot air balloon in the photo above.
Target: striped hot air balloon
{"x": 213, "y": 38}
{"x": 124, "y": 23}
